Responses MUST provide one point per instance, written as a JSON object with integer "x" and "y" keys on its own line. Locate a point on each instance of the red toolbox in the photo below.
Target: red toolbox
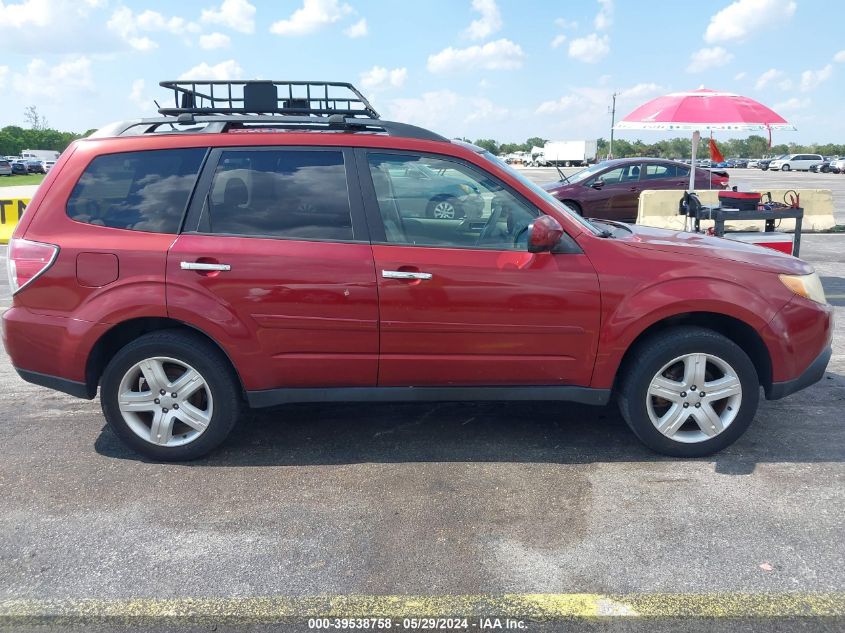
{"x": 742, "y": 200}
{"x": 771, "y": 239}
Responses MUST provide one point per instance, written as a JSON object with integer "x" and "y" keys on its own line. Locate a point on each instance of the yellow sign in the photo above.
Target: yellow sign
{"x": 11, "y": 210}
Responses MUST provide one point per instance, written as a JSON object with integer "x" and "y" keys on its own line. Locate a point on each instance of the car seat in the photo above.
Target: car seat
{"x": 393, "y": 228}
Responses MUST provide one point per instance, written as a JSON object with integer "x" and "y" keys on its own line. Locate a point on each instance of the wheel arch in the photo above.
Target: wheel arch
{"x": 111, "y": 341}
{"x": 736, "y": 330}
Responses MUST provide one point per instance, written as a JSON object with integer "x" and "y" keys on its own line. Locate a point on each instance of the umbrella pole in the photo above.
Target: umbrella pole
{"x": 696, "y": 137}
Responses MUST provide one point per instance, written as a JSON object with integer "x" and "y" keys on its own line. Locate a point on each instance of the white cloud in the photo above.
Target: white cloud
{"x": 4, "y": 72}
{"x": 230, "y": 69}
{"x": 604, "y": 18}
{"x": 767, "y": 77}
{"x": 445, "y": 111}
{"x": 312, "y": 16}
{"x": 130, "y": 26}
{"x": 590, "y": 49}
{"x": 497, "y": 55}
{"x": 839, "y": 57}
{"x": 359, "y": 29}
{"x": 743, "y": 18}
{"x": 792, "y": 104}
{"x": 238, "y": 15}
{"x": 489, "y": 22}
{"x": 706, "y": 58}
{"x": 558, "y": 41}
{"x": 586, "y": 107}
{"x": 214, "y": 40}
{"x": 36, "y": 27}
{"x": 739, "y": 76}
{"x": 379, "y": 77}
{"x": 53, "y": 82}
{"x": 811, "y": 79}
{"x": 566, "y": 24}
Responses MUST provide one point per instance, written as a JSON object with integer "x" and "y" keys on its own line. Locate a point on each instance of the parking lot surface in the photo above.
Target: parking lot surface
{"x": 444, "y": 500}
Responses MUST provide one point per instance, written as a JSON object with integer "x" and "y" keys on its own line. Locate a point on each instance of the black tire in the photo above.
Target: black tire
{"x": 785, "y": 168}
{"x": 655, "y": 352}
{"x": 456, "y": 205}
{"x": 207, "y": 360}
{"x": 574, "y": 206}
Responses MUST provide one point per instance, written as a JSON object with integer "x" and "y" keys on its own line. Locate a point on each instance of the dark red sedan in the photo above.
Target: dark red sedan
{"x": 611, "y": 189}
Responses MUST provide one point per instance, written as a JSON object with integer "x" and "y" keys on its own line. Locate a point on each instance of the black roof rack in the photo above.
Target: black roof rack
{"x": 320, "y": 98}
{"x": 211, "y": 106}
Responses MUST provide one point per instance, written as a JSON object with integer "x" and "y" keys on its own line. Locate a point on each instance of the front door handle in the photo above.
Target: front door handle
{"x": 404, "y": 274}
{"x": 203, "y": 266}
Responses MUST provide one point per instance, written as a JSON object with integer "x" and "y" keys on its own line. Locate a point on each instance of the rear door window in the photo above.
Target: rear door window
{"x": 139, "y": 191}
{"x": 293, "y": 194}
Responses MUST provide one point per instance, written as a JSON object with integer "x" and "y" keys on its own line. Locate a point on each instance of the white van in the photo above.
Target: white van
{"x": 800, "y": 162}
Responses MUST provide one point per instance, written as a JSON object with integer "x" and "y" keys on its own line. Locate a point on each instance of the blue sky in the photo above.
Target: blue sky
{"x": 500, "y": 69}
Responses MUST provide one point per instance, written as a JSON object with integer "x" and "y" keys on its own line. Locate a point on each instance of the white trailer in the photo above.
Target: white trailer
{"x": 39, "y": 154}
{"x": 565, "y": 153}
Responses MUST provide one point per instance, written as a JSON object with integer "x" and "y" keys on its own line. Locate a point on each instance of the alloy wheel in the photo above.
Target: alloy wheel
{"x": 444, "y": 210}
{"x": 694, "y": 398}
{"x": 165, "y": 401}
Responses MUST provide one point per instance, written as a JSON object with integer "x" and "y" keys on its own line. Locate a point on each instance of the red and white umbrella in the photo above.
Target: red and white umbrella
{"x": 703, "y": 109}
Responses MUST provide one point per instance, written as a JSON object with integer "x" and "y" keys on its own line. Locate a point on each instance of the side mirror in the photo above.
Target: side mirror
{"x": 544, "y": 234}
{"x": 598, "y": 184}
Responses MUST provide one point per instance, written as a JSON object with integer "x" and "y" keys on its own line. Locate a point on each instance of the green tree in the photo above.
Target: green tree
{"x": 489, "y": 144}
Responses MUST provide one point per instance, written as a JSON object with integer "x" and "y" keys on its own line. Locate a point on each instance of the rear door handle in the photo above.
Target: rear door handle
{"x": 404, "y": 274}
{"x": 203, "y": 266}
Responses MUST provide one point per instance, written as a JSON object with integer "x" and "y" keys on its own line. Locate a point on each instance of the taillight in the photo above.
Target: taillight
{"x": 28, "y": 260}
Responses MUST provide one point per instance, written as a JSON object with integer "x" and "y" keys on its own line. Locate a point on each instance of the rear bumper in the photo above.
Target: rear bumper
{"x": 811, "y": 375}
{"x": 70, "y": 387}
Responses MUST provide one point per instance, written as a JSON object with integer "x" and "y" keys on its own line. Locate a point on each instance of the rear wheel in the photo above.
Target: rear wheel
{"x": 689, "y": 392}
{"x": 171, "y": 396}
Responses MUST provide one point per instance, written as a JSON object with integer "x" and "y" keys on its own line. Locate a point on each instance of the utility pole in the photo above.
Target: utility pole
{"x": 612, "y": 123}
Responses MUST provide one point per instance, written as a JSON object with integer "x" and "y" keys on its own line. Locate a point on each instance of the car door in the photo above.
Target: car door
{"x": 618, "y": 192}
{"x": 462, "y": 302}
{"x": 275, "y": 264}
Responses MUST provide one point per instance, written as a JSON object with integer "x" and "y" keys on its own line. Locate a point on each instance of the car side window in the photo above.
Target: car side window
{"x": 279, "y": 193}
{"x": 140, "y": 191}
{"x": 654, "y": 171}
{"x": 447, "y": 204}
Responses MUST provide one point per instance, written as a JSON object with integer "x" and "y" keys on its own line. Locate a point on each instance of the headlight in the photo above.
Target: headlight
{"x": 807, "y": 286}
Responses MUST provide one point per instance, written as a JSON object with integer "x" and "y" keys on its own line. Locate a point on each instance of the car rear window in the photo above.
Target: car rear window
{"x": 294, "y": 194}
{"x": 139, "y": 191}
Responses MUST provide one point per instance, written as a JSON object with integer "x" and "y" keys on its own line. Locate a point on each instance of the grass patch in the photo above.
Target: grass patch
{"x": 14, "y": 181}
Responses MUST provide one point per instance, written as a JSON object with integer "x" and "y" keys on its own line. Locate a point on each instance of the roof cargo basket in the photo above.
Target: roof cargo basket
{"x": 302, "y": 98}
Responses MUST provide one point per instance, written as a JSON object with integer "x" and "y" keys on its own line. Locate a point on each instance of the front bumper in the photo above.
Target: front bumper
{"x": 811, "y": 375}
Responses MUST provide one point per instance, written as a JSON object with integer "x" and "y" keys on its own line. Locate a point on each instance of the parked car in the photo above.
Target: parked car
{"x": 414, "y": 184}
{"x": 798, "y": 162}
{"x": 822, "y": 167}
{"x": 741, "y": 163}
{"x": 35, "y": 167}
{"x": 838, "y": 166}
{"x": 5, "y": 168}
{"x": 611, "y": 190}
{"x": 48, "y": 165}
{"x": 19, "y": 168}
{"x": 189, "y": 275}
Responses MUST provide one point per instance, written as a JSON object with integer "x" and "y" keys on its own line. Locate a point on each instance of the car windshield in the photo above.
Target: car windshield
{"x": 541, "y": 192}
{"x": 586, "y": 173}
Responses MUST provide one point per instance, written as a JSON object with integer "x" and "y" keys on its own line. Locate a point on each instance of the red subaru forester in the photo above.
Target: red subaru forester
{"x": 272, "y": 242}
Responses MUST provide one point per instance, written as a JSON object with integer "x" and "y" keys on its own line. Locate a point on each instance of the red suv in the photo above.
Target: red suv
{"x": 210, "y": 260}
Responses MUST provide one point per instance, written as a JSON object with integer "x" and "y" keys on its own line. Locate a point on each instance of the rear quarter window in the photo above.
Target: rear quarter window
{"x": 139, "y": 191}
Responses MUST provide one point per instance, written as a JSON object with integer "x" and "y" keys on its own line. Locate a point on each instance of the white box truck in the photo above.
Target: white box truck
{"x": 565, "y": 154}
{"x": 39, "y": 154}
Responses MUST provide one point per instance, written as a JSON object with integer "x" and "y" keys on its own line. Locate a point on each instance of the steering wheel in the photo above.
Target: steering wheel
{"x": 519, "y": 233}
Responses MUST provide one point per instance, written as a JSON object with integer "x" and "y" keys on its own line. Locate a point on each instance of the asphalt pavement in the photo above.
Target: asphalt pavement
{"x": 425, "y": 508}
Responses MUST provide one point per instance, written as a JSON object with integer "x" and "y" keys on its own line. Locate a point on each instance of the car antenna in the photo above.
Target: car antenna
{"x": 563, "y": 177}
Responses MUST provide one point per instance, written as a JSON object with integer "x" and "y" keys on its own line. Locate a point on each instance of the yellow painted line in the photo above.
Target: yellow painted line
{"x": 538, "y": 607}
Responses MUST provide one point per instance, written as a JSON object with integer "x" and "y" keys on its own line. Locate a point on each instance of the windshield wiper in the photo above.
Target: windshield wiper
{"x": 563, "y": 177}
{"x": 606, "y": 233}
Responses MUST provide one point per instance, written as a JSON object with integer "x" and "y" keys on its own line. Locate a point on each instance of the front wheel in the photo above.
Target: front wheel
{"x": 444, "y": 208}
{"x": 689, "y": 392}
{"x": 171, "y": 396}
{"x": 785, "y": 168}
